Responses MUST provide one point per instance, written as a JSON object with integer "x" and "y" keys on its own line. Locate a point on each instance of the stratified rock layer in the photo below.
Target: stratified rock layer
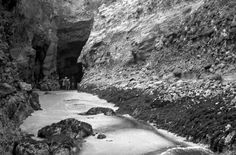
{"x": 139, "y": 41}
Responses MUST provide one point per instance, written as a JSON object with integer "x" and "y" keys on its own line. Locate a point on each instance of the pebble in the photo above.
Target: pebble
{"x": 101, "y": 136}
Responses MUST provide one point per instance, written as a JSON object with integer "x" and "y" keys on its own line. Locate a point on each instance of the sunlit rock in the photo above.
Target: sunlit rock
{"x": 25, "y": 86}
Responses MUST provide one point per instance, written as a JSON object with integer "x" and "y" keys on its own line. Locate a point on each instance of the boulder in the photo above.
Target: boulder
{"x": 69, "y": 127}
{"x": 25, "y": 86}
{"x": 101, "y": 136}
{"x": 100, "y": 110}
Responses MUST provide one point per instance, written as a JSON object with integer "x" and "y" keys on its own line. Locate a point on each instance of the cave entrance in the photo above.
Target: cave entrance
{"x": 67, "y": 65}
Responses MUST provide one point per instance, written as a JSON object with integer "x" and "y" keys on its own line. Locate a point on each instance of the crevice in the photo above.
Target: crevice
{"x": 41, "y": 47}
{"x": 67, "y": 65}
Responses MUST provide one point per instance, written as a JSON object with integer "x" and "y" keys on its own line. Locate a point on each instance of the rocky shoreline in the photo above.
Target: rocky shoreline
{"x": 204, "y": 115}
{"x": 173, "y": 68}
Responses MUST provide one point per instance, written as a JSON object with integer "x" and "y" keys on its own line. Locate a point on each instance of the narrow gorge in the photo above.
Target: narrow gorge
{"x": 169, "y": 63}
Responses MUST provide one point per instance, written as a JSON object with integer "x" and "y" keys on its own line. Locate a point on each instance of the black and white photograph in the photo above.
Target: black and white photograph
{"x": 117, "y": 77}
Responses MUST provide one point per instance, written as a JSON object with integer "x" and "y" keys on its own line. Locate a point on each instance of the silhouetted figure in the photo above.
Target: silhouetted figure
{"x": 67, "y": 83}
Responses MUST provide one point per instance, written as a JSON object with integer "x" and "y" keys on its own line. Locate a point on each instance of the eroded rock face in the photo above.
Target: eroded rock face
{"x": 125, "y": 40}
{"x": 139, "y": 41}
{"x": 157, "y": 58}
{"x": 15, "y": 103}
{"x": 34, "y": 43}
{"x": 73, "y": 32}
{"x": 39, "y": 30}
{"x": 187, "y": 151}
{"x": 75, "y": 22}
{"x": 14, "y": 108}
{"x": 74, "y": 28}
{"x": 6, "y": 89}
{"x": 117, "y": 27}
{"x": 56, "y": 145}
{"x": 30, "y": 146}
{"x": 28, "y": 55}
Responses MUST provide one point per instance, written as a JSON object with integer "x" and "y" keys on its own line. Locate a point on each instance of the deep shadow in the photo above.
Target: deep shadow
{"x": 40, "y": 45}
{"x": 67, "y": 65}
{"x": 9, "y": 4}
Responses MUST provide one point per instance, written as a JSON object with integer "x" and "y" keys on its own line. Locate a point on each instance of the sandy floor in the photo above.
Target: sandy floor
{"x": 124, "y": 136}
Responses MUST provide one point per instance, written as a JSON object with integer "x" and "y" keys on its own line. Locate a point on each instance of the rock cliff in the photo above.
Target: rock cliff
{"x": 168, "y": 62}
{"x": 44, "y": 33}
{"x": 17, "y": 100}
{"x": 189, "y": 38}
{"x": 30, "y": 31}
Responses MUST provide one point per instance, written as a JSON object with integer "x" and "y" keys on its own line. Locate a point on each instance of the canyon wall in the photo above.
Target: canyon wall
{"x": 31, "y": 34}
{"x": 17, "y": 100}
{"x": 44, "y": 29}
{"x": 163, "y": 37}
{"x": 168, "y": 62}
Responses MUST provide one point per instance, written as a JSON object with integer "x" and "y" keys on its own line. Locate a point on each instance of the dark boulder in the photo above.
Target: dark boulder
{"x": 62, "y": 138}
{"x": 101, "y": 136}
{"x": 69, "y": 127}
{"x": 100, "y": 110}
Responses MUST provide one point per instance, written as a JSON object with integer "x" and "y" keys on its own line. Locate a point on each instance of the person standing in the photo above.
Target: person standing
{"x": 67, "y": 83}
{"x": 64, "y": 83}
